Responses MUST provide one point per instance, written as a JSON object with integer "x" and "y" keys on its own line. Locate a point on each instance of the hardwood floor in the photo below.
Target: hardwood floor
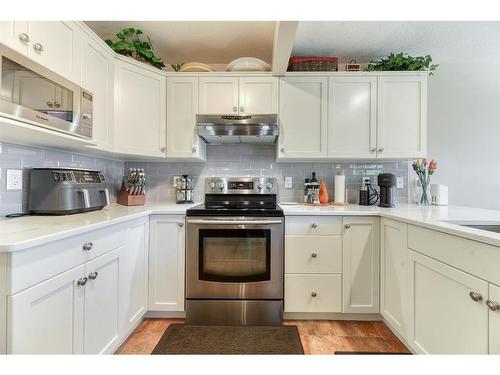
{"x": 317, "y": 336}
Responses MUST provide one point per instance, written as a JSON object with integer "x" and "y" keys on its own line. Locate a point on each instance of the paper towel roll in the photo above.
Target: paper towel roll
{"x": 339, "y": 187}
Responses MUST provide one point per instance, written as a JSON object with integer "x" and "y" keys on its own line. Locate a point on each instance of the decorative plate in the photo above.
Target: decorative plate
{"x": 248, "y": 64}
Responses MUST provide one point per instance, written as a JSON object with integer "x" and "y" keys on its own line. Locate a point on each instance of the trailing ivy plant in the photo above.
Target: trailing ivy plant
{"x": 403, "y": 61}
{"x": 129, "y": 43}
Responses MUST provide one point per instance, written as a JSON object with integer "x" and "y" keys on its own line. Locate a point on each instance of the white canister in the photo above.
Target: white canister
{"x": 339, "y": 188}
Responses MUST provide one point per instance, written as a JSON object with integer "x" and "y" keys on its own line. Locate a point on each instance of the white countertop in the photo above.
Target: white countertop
{"x": 25, "y": 232}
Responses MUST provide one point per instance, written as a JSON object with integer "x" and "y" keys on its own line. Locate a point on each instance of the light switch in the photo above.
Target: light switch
{"x": 288, "y": 182}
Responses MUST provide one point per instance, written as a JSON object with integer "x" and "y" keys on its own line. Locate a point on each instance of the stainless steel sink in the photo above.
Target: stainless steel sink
{"x": 481, "y": 226}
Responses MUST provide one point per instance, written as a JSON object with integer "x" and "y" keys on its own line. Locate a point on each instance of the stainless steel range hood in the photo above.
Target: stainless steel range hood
{"x": 223, "y": 129}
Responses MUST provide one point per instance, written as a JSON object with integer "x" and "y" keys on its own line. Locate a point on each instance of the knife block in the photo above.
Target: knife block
{"x": 127, "y": 199}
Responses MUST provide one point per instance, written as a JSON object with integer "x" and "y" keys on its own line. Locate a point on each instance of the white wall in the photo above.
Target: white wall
{"x": 464, "y": 132}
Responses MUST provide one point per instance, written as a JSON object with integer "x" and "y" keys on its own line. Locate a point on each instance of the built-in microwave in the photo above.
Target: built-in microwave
{"x": 35, "y": 95}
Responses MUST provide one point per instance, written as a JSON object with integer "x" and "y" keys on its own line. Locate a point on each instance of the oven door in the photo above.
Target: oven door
{"x": 234, "y": 258}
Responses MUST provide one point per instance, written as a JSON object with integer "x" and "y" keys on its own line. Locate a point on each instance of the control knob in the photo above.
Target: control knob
{"x": 269, "y": 185}
{"x": 260, "y": 187}
{"x": 212, "y": 185}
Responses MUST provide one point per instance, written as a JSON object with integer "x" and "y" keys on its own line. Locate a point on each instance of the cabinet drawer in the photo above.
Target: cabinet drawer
{"x": 37, "y": 264}
{"x": 476, "y": 258}
{"x": 313, "y": 225}
{"x": 311, "y": 254}
{"x": 299, "y": 290}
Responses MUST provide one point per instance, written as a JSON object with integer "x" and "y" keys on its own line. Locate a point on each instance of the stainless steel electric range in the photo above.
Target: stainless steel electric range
{"x": 234, "y": 254}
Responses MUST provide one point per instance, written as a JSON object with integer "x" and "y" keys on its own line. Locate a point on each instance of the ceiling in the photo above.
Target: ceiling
{"x": 364, "y": 41}
{"x": 212, "y": 42}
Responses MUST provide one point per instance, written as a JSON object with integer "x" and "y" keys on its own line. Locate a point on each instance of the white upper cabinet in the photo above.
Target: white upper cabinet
{"x": 14, "y": 34}
{"x": 402, "y": 116}
{"x": 258, "y": 95}
{"x": 182, "y": 107}
{"x": 98, "y": 78}
{"x": 361, "y": 259}
{"x": 218, "y": 95}
{"x": 140, "y": 109}
{"x": 303, "y": 118}
{"x": 447, "y": 316}
{"x": 352, "y": 117}
{"x": 56, "y": 45}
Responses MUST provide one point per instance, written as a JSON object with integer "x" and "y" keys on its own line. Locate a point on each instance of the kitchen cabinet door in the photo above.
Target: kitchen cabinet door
{"x": 182, "y": 107}
{"x": 258, "y": 95}
{"x": 218, "y": 95}
{"x": 443, "y": 318}
{"x": 166, "y": 263}
{"x": 394, "y": 274}
{"x": 140, "y": 110}
{"x": 57, "y": 46}
{"x": 361, "y": 259}
{"x": 352, "y": 117}
{"x": 48, "y": 318}
{"x": 102, "y": 303}
{"x": 402, "y": 116}
{"x": 14, "y": 34}
{"x": 98, "y": 78}
{"x": 303, "y": 118}
{"x": 494, "y": 319}
{"x": 134, "y": 276}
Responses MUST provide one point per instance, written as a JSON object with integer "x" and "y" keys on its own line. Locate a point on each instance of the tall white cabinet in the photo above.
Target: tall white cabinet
{"x": 182, "y": 107}
{"x": 303, "y": 112}
{"x": 140, "y": 109}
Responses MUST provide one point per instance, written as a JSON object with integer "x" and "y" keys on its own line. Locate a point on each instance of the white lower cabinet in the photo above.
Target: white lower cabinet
{"x": 447, "y": 308}
{"x": 394, "y": 274}
{"x": 361, "y": 255}
{"x": 102, "y": 329}
{"x": 314, "y": 293}
{"x": 166, "y": 263}
{"x": 48, "y": 318}
{"x": 494, "y": 319}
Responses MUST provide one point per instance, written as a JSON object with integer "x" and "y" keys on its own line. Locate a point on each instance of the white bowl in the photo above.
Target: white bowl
{"x": 248, "y": 64}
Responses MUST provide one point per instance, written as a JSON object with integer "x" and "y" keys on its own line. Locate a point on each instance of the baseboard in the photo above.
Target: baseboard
{"x": 165, "y": 314}
{"x": 331, "y": 316}
{"x": 398, "y": 335}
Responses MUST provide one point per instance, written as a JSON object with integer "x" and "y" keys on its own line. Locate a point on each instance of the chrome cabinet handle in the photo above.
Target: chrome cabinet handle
{"x": 475, "y": 296}
{"x": 194, "y": 148}
{"x": 314, "y": 225}
{"x": 347, "y": 226}
{"x": 49, "y": 104}
{"x": 492, "y": 305}
{"x": 314, "y": 255}
{"x": 242, "y": 109}
{"x": 314, "y": 294}
{"x": 87, "y": 246}
{"x": 181, "y": 224}
{"x": 235, "y": 109}
{"x": 57, "y": 104}
{"x": 82, "y": 281}
{"x": 381, "y": 149}
{"x": 93, "y": 275}
{"x": 38, "y": 47}
{"x": 23, "y": 37}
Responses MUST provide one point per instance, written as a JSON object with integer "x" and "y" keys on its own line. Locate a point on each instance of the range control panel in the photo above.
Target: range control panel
{"x": 241, "y": 185}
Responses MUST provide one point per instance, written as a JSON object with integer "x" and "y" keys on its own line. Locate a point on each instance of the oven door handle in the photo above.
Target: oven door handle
{"x": 236, "y": 222}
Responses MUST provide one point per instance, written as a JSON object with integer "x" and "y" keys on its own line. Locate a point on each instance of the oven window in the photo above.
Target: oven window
{"x": 235, "y": 255}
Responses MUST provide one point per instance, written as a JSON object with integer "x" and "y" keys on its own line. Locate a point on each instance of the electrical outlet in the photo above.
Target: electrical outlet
{"x": 365, "y": 181}
{"x": 174, "y": 179}
{"x": 14, "y": 179}
{"x": 288, "y": 182}
{"x": 399, "y": 182}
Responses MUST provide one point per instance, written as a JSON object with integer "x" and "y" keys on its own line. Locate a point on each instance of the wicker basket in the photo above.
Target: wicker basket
{"x": 313, "y": 64}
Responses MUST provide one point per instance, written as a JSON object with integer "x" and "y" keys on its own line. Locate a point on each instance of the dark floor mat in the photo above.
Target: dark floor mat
{"x": 193, "y": 339}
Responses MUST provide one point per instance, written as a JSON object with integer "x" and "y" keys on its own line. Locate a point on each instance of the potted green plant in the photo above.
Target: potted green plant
{"x": 402, "y": 61}
{"x": 129, "y": 43}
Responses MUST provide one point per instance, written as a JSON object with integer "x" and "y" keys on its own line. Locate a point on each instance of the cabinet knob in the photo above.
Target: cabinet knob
{"x": 57, "y": 104}
{"x": 381, "y": 149}
{"x": 242, "y": 109}
{"x": 49, "y": 104}
{"x": 38, "y": 47}
{"x": 162, "y": 149}
{"x": 314, "y": 294}
{"x": 82, "y": 281}
{"x": 373, "y": 150}
{"x": 181, "y": 224}
{"x": 93, "y": 275}
{"x": 347, "y": 226}
{"x": 314, "y": 225}
{"x": 282, "y": 149}
{"x": 314, "y": 255}
{"x": 235, "y": 109}
{"x": 87, "y": 246}
{"x": 475, "y": 296}
{"x": 23, "y": 37}
{"x": 492, "y": 305}
{"x": 194, "y": 149}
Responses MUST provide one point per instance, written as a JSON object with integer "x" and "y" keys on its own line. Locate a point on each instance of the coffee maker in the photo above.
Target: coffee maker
{"x": 387, "y": 184}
